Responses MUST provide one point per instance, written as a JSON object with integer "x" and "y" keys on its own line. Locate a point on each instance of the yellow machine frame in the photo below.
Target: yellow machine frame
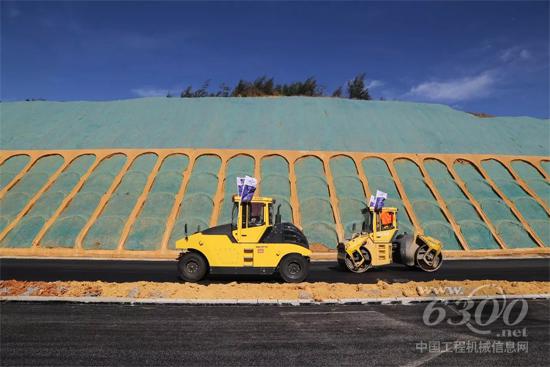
{"x": 380, "y": 243}
{"x": 242, "y": 251}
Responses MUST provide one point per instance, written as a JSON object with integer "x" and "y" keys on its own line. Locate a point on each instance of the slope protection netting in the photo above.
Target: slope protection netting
{"x": 29, "y": 226}
{"x": 288, "y": 123}
{"x": 23, "y": 191}
{"x": 380, "y": 178}
{"x": 275, "y": 183}
{"x": 315, "y": 208}
{"x": 11, "y": 168}
{"x": 533, "y": 178}
{"x": 528, "y": 207}
{"x": 148, "y": 229}
{"x": 130, "y": 201}
{"x": 476, "y": 233}
{"x": 350, "y": 193}
{"x": 432, "y": 220}
{"x": 198, "y": 201}
{"x": 106, "y": 230}
{"x": 510, "y": 230}
{"x": 73, "y": 218}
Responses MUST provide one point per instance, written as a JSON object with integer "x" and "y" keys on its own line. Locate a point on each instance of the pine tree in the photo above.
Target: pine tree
{"x": 357, "y": 89}
{"x": 187, "y": 93}
{"x": 337, "y": 92}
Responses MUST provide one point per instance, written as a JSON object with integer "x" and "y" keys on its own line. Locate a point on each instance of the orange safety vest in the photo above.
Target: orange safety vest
{"x": 386, "y": 218}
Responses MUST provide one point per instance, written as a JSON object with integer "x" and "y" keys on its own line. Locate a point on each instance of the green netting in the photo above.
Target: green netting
{"x": 530, "y": 209}
{"x": 463, "y": 210}
{"x": 496, "y": 209}
{"x": 226, "y": 208}
{"x": 320, "y": 232}
{"x": 446, "y": 186}
{"x": 475, "y": 232}
{"x": 312, "y": 186}
{"x": 29, "y": 226}
{"x": 514, "y": 233}
{"x": 542, "y": 228}
{"x": 426, "y": 208}
{"x": 496, "y": 170}
{"x": 479, "y": 187}
{"x": 168, "y": 180}
{"x": 11, "y": 167}
{"x": 19, "y": 195}
{"x": 293, "y": 123}
{"x": 415, "y": 188}
{"x": 66, "y": 228}
{"x": 511, "y": 189}
{"x": 238, "y": 166}
{"x": 274, "y": 165}
{"x": 350, "y": 193}
{"x": 525, "y": 170}
{"x": 25, "y": 231}
{"x": 477, "y": 235}
{"x": 316, "y": 212}
{"x": 105, "y": 232}
{"x": 508, "y": 227}
{"x": 526, "y": 205}
{"x": 148, "y": 229}
{"x": 379, "y": 178}
{"x": 65, "y": 231}
{"x": 197, "y": 205}
{"x": 276, "y": 184}
{"x": 534, "y": 179}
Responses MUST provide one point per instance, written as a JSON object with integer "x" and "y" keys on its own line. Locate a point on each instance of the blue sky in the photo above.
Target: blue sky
{"x": 491, "y": 57}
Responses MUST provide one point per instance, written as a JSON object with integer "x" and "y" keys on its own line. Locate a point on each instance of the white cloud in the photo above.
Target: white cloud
{"x": 455, "y": 89}
{"x": 515, "y": 53}
{"x": 525, "y": 54}
{"x": 374, "y": 84}
{"x": 150, "y": 92}
{"x": 506, "y": 55}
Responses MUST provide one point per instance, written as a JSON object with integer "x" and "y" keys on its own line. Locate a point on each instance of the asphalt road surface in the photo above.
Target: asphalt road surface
{"x": 322, "y": 271}
{"x": 162, "y": 335}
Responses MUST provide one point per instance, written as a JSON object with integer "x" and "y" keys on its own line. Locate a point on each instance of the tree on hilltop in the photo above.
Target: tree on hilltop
{"x": 357, "y": 89}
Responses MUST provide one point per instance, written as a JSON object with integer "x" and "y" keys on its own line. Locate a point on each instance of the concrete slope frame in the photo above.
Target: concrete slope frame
{"x": 132, "y": 203}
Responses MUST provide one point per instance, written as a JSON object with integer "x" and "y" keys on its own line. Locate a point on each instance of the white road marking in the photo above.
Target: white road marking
{"x": 321, "y": 312}
{"x": 424, "y": 359}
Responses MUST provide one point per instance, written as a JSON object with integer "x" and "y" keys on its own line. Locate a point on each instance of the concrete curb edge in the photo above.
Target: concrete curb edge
{"x": 249, "y": 302}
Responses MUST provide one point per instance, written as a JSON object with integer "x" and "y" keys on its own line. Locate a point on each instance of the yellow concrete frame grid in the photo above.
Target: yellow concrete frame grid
{"x": 225, "y": 156}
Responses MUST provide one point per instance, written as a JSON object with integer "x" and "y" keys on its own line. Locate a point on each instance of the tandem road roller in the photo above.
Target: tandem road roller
{"x": 378, "y": 243}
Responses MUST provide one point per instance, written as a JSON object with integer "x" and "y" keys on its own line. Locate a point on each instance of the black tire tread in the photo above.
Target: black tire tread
{"x": 285, "y": 261}
{"x": 203, "y": 266}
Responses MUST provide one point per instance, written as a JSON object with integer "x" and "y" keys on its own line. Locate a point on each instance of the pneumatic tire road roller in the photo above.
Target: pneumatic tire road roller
{"x": 378, "y": 244}
{"x": 254, "y": 243}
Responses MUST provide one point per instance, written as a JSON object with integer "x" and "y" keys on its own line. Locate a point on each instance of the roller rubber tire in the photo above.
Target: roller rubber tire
{"x": 192, "y": 267}
{"x": 294, "y": 268}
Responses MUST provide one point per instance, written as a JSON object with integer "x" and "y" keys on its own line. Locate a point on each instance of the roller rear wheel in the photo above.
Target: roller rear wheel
{"x": 294, "y": 268}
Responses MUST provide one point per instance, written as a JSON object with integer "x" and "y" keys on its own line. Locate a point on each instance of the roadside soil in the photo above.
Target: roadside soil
{"x": 272, "y": 291}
